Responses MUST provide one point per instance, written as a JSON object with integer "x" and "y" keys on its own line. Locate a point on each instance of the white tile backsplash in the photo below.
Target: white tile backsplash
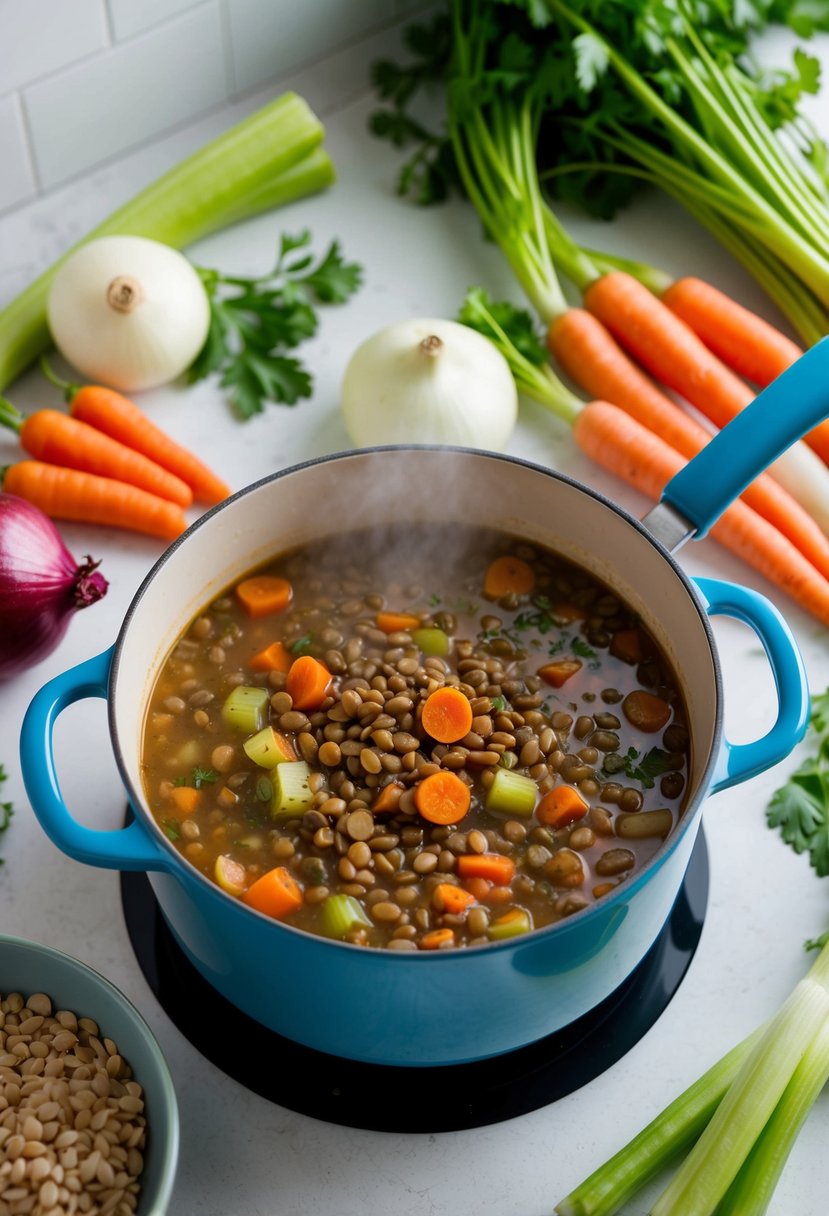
{"x": 38, "y": 37}
{"x": 84, "y": 81}
{"x": 17, "y": 182}
{"x": 141, "y": 88}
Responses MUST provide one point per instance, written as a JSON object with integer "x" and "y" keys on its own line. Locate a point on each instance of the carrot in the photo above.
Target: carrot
{"x": 446, "y": 897}
{"x": 492, "y": 866}
{"x": 442, "y": 798}
{"x": 117, "y": 416}
{"x": 557, "y": 674}
{"x": 620, "y": 444}
{"x": 276, "y": 893}
{"x": 54, "y": 438}
{"x": 186, "y": 798}
{"x": 276, "y": 657}
{"x": 388, "y": 799}
{"x": 85, "y": 498}
{"x": 447, "y": 715}
{"x": 308, "y": 682}
{"x": 436, "y": 939}
{"x": 560, "y": 806}
{"x": 748, "y": 344}
{"x": 396, "y": 622}
{"x": 508, "y": 576}
{"x": 593, "y": 358}
{"x": 626, "y": 644}
{"x": 264, "y": 596}
{"x": 487, "y": 892}
{"x": 666, "y": 346}
{"x": 603, "y": 889}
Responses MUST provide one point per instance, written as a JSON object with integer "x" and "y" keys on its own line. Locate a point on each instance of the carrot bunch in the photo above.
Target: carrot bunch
{"x": 105, "y": 463}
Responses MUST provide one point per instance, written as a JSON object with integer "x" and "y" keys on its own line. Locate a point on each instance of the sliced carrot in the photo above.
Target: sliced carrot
{"x": 396, "y": 622}
{"x": 388, "y": 799}
{"x": 442, "y": 798}
{"x": 276, "y": 893}
{"x": 446, "y": 897}
{"x": 508, "y": 576}
{"x": 186, "y": 798}
{"x": 276, "y": 657}
{"x": 590, "y": 354}
{"x": 86, "y": 498}
{"x": 564, "y": 612}
{"x": 447, "y": 715}
{"x": 263, "y": 595}
{"x": 557, "y": 674}
{"x": 118, "y": 417}
{"x": 560, "y": 806}
{"x": 437, "y": 938}
{"x": 626, "y": 644}
{"x": 646, "y": 711}
{"x": 624, "y": 447}
{"x": 492, "y": 866}
{"x": 308, "y": 682}
{"x": 604, "y": 888}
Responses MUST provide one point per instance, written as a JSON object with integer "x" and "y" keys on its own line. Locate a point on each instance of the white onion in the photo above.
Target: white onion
{"x": 429, "y": 381}
{"x": 128, "y": 312}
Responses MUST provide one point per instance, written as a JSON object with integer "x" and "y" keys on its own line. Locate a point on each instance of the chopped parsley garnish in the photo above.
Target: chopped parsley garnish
{"x": 198, "y": 777}
{"x": 301, "y": 645}
{"x": 654, "y": 763}
{"x": 171, "y": 828}
{"x": 499, "y": 703}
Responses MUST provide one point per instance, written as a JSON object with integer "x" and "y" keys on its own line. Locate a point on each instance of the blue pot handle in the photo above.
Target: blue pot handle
{"x": 129, "y": 848}
{"x": 739, "y": 761}
{"x": 790, "y": 406}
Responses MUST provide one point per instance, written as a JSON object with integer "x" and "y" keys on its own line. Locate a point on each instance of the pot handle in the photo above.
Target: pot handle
{"x": 129, "y": 848}
{"x": 786, "y": 409}
{"x": 739, "y": 761}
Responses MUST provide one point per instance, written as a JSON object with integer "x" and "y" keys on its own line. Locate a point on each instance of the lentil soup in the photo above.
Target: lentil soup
{"x": 417, "y": 742}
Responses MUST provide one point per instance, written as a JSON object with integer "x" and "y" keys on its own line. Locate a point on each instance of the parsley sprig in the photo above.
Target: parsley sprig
{"x": 6, "y": 808}
{"x": 800, "y": 808}
{"x": 198, "y": 777}
{"x": 645, "y": 769}
{"x": 254, "y": 321}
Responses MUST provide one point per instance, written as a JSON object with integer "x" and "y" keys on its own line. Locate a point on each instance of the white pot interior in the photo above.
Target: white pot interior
{"x": 361, "y": 488}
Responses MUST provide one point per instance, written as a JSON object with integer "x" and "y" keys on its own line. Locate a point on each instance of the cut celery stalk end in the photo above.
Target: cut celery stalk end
{"x": 245, "y": 708}
{"x": 431, "y": 641}
{"x": 512, "y": 794}
{"x": 292, "y": 795}
{"x": 267, "y": 748}
{"x": 339, "y": 914}
{"x": 230, "y": 875}
{"x": 510, "y": 926}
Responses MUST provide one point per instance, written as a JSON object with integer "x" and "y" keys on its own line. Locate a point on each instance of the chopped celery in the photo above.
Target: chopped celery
{"x": 513, "y": 924}
{"x": 267, "y": 748}
{"x": 339, "y": 914}
{"x": 245, "y": 708}
{"x": 512, "y": 794}
{"x": 431, "y": 641}
{"x": 292, "y": 795}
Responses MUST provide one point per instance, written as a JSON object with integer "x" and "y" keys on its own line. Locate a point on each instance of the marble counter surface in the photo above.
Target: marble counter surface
{"x": 242, "y": 1155}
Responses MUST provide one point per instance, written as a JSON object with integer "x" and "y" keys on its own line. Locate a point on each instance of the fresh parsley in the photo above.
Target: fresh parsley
{"x": 6, "y": 808}
{"x": 655, "y": 763}
{"x": 171, "y": 829}
{"x": 198, "y": 777}
{"x": 302, "y": 645}
{"x": 800, "y": 808}
{"x": 254, "y": 321}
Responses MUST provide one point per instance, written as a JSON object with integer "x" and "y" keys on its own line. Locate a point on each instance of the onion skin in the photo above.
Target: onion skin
{"x": 41, "y": 585}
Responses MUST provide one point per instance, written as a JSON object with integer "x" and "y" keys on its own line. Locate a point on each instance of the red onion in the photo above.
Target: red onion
{"x": 41, "y": 585}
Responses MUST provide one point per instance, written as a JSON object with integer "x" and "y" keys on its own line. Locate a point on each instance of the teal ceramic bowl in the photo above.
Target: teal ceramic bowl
{"x": 28, "y": 967}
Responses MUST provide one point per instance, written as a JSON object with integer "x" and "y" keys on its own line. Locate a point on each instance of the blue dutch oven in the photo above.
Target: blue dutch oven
{"x": 443, "y": 1007}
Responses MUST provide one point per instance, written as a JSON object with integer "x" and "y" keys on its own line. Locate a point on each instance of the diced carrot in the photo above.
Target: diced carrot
{"x": 604, "y": 888}
{"x": 442, "y": 798}
{"x": 263, "y": 595}
{"x": 626, "y": 644}
{"x": 276, "y": 893}
{"x": 493, "y": 866}
{"x": 508, "y": 576}
{"x": 478, "y": 887}
{"x": 308, "y": 682}
{"x": 564, "y": 612}
{"x": 446, "y": 897}
{"x": 396, "y": 622}
{"x": 388, "y": 799}
{"x": 645, "y": 711}
{"x": 437, "y": 938}
{"x": 560, "y": 806}
{"x": 447, "y": 715}
{"x": 186, "y": 798}
{"x": 557, "y": 674}
{"x": 276, "y": 657}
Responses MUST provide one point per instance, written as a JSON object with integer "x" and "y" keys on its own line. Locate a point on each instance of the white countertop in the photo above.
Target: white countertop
{"x": 241, "y": 1154}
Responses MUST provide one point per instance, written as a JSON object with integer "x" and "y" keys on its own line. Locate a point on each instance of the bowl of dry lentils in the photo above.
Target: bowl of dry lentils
{"x": 88, "y": 1113}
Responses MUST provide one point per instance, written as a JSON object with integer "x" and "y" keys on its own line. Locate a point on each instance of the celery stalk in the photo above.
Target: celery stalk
{"x": 269, "y": 158}
{"x": 431, "y": 641}
{"x": 245, "y": 708}
{"x": 267, "y": 749}
{"x": 292, "y": 795}
{"x": 512, "y": 794}
{"x": 339, "y": 914}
